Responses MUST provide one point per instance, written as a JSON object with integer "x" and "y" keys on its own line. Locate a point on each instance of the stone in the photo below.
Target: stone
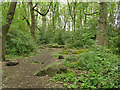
{"x": 12, "y": 63}
{"x": 60, "y": 57}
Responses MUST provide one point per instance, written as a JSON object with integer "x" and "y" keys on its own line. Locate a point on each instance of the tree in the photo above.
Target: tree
{"x": 118, "y": 19}
{"x": 101, "y": 36}
{"x": 32, "y": 25}
{"x": 118, "y": 26}
{"x": 74, "y": 13}
{"x": 32, "y": 28}
{"x": 53, "y": 18}
{"x": 6, "y": 27}
{"x": 43, "y": 16}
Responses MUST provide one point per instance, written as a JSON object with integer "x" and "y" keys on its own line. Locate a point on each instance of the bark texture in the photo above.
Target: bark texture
{"x": 6, "y": 27}
{"x": 101, "y": 37}
{"x": 43, "y": 25}
{"x": 32, "y": 27}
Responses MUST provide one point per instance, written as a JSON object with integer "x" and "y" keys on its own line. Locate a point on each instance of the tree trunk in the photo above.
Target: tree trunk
{"x": 65, "y": 21}
{"x": 80, "y": 17}
{"x": 6, "y": 27}
{"x": 74, "y": 16}
{"x": 32, "y": 28}
{"x": 43, "y": 25}
{"x": 118, "y": 19}
{"x": 101, "y": 37}
{"x": 118, "y": 26}
{"x": 53, "y": 22}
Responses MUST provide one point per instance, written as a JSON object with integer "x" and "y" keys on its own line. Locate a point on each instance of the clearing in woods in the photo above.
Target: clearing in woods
{"x": 22, "y": 75}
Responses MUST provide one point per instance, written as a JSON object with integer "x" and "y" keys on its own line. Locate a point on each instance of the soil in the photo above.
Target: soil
{"x": 22, "y": 75}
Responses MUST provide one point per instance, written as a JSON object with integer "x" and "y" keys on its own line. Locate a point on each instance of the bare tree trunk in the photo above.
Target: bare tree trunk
{"x": 69, "y": 26}
{"x": 53, "y": 21}
{"x": 32, "y": 28}
{"x": 101, "y": 37}
{"x": 6, "y": 27}
{"x": 119, "y": 27}
{"x": 65, "y": 21}
{"x": 80, "y": 16}
{"x": 74, "y": 16}
{"x": 43, "y": 25}
{"x": 118, "y": 19}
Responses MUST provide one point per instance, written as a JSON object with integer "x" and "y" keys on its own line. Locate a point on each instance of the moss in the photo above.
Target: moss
{"x": 50, "y": 46}
{"x": 65, "y": 52}
{"x": 75, "y": 52}
{"x": 74, "y": 63}
{"x": 62, "y": 46}
{"x": 79, "y": 51}
{"x": 83, "y": 50}
{"x": 35, "y": 62}
{"x": 50, "y": 49}
{"x": 52, "y": 70}
{"x": 41, "y": 47}
{"x": 55, "y": 46}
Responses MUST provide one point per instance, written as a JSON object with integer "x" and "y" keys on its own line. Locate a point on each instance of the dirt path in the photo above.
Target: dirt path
{"x": 22, "y": 75}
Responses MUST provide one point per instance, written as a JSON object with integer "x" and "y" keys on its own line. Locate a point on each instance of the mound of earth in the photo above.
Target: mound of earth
{"x": 52, "y": 70}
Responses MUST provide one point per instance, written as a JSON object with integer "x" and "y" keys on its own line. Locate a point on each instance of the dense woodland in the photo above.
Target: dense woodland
{"x": 88, "y": 31}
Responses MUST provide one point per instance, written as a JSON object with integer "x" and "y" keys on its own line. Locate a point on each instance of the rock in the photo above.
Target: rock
{"x": 42, "y": 63}
{"x": 12, "y": 63}
{"x": 60, "y": 57}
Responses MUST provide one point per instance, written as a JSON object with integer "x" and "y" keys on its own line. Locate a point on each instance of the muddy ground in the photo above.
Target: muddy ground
{"x": 22, "y": 75}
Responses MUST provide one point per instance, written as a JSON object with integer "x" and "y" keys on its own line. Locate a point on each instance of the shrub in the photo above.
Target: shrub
{"x": 19, "y": 43}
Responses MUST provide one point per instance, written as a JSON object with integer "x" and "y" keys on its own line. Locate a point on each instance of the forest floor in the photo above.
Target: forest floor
{"x": 22, "y": 75}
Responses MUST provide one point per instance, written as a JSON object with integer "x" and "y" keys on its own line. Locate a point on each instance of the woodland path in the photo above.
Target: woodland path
{"x": 22, "y": 75}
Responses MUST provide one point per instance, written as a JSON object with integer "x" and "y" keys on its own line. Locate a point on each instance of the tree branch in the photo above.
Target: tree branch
{"x": 91, "y": 13}
{"x": 35, "y": 6}
{"x": 44, "y": 13}
{"x": 26, "y": 19}
{"x": 70, "y": 11}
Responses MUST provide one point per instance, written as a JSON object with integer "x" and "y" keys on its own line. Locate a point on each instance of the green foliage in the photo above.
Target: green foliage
{"x": 57, "y": 55}
{"x": 81, "y": 38}
{"x": 19, "y": 43}
{"x": 101, "y": 70}
{"x": 69, "y": 78}
{"x": 66, "y": 51}
{"x": 79, "y": 51}
{"x": 114, "y": 44}
{"x": 101, "y": 67}
{"x": 37, "y": 73}
{"x": 59, "y": 37}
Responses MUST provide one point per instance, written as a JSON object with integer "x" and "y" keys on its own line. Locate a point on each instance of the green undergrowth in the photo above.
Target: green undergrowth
{"x": 13, "y": 57}
{"x": 57, "y": 55}
{"x": 102, "y": 68}
{"x": 73, "y": 51}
